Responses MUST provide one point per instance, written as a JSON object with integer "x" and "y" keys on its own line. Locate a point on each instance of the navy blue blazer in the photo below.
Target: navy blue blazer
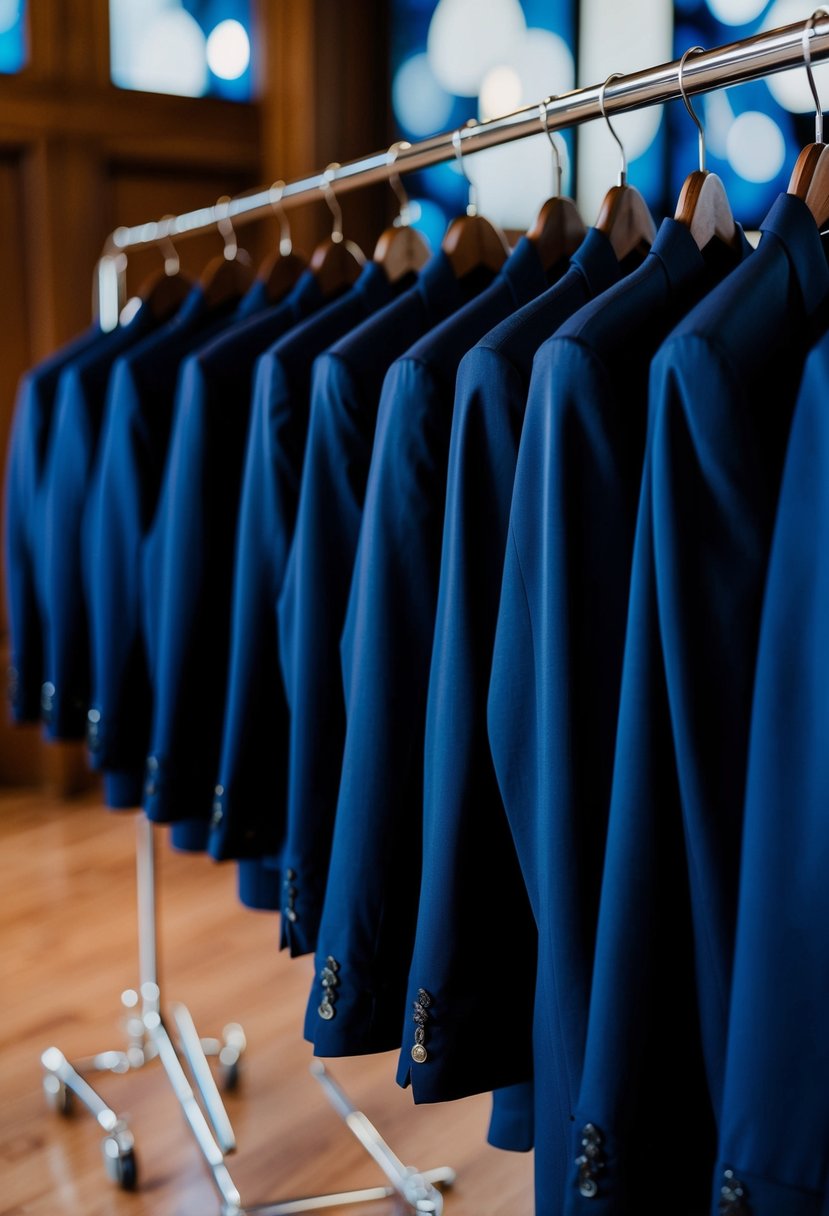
{"x": 370, "y": 909}
{"x": 25, "y": 526}
{"x": 123, "y": 505}
{"x": 203, "y": 487}
{"x": 559, "y": 642}
{"x": 345, "y": 397}
{"x": 774, "y": 1123}
{"x": 193, "y": 557}
{"x": 722, "y": 390}
{"x": 70, "y": 465}
{"x": 468, "y": 851}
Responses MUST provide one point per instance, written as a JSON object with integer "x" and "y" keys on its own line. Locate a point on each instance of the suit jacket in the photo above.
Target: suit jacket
{"x": 663, "y": 957}
{"x": 123, "y": 505}
{"x": 370, "y": 909}
{"x": 774, "y": 1124}
{"x": 559, "y": 642}
{"x": 70, "y": 464}
{"x": 468, "y": 851}
{"x": 25, "y": 526}
{"x": 347, "y": 382}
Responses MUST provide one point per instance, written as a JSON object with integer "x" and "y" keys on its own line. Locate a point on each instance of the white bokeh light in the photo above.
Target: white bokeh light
{"x": 500, "y": 91}
{"x": 128, "y": 20}
{"x": 756, "y": 146}
{"x": 737, "y": 12}
{"x": 535, "y": 65}
{"x": 420, "y": 104}
{"x": 171, "y": 56}
{"x": 624, "y": 37}
{"x": 9, "y": 15}
{"x": 468, "y": 37}
{"x": 228, "y": 50}
{"x": 515, "y": 179}
{"x": 791, "y": 89}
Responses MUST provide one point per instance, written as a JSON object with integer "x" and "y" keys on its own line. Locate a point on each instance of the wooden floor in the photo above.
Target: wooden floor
{"x": 67, "y": 950}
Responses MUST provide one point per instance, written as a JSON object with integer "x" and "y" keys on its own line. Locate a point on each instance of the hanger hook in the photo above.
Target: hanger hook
{"x": 693, "y": 50}
{"x": 472, "y": 196}
{"x": 275, "y": 198}
{"x": 404, "y": 216}
{"x": 172, "y": 263}
{"x": 807, "y": 61}
{"x": 557, "y": 172}
{"x": 623, "y": 171}
{"x": 226, "y": 229}
{"x": 332, "y": 200}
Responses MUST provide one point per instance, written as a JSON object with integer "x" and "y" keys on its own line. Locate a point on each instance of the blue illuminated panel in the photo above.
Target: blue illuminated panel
{"x": 14, "y": 51}
{"x": 193, "y": 48}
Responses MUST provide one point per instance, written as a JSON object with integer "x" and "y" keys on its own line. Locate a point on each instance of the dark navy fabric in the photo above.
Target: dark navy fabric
{"x": 203, "y": 485}
{"x": 70, "y": 465}
{"x": 25, "y": 539}
{"x": 774, "y": 1124}
{"x": 345, "y": 397}
{"x": 123, "y": 505}
{"x": 559, "y": 642}
{"x": 721, "y": 395}
{"x": 193, "y": 557}
{"x": 468, "y": 851}
{"x": 370, "y": 907}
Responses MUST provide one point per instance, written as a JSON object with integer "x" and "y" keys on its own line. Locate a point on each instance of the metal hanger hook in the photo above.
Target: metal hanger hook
{"x": 807, "y": 62}
{"x": 172, "y": 263}
{"x": 623, "y": 171}
{"x": 557, "y": 172}
{"x": 332, "y": 200}
{"x": 472, "y": 196}
{"x": 226, "y": 229}
{"x": 692, "y": 50}
{"x": 404, "y": 216}
{"x": 275, "y": 198}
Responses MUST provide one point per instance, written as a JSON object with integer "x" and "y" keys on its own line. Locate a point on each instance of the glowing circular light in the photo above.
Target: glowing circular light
{"x": 756, "y": 147}
{"x": 737, "y": 12}
{"x": 9, "y": 15}
{"x": 791, "y": 89}
{"x": 430, "y": 219}
{"x": 467, "y": 38}
{"x": 228, "y": 50}
{"x": 421, "y": 106}
{"x": 171, "y": 56}
{"x": 500, "y": 92}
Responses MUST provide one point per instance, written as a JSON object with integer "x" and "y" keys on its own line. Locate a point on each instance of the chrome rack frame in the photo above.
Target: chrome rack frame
{"x": 149, "y": 1038}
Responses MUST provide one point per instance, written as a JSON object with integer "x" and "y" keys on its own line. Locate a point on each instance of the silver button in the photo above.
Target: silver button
{"x": 332, "y": 963}
{"x": 217, "y": 816}
{"x": 291, "y": 915}
{"x": 423, "y": 998}
{"x": 419, "y": 1054}
{"x": 152, "y": 764}
{"x": 218, "y": 790}
{"x": 588, "y": 1187}
{"x": 326, "y": 1011}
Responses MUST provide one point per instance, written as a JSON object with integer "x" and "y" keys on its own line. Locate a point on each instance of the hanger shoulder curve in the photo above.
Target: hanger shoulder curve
{"x": 401, "y": 251}
{"x": 336, "y": 265}
{"x": 810, "y": 181}
{"x": 626, "y": 221}
{"x": 279, "y": 274}
{"x": 703, "y": 207}
{"x": 225, "y": 279}
{"x": 558, "y": 231}
{"x": 471, "y": 242}
{"x": 163, "y": 293}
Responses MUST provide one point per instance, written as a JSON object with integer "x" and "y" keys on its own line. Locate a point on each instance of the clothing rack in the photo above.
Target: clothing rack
{"x": 736, "y": 63}
{"x": 750, "y": 59}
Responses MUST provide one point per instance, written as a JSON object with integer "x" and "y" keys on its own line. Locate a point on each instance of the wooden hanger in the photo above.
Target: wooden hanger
{"x": 228, "y": 277}
{"x": 810, "y": 177}
{"x": 401, "y": 249}
{"x": 703, "y": 205}
{"x": 164, "y": 291}
{"x": 280, "y": 272}
{"x": 336, "y": 263}
{"x": 624, "y": 217}
{"x": 472, "y": 242}
{"x": 559, "y": 229}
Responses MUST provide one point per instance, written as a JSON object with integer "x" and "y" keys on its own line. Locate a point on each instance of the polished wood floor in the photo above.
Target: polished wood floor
{"x": 67, "y": 950}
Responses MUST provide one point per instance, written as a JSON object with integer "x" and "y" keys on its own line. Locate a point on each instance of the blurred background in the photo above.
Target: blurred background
{"x": 120, "y": 111}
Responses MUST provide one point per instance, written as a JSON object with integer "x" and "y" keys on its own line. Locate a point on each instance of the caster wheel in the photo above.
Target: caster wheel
{"x": 119, "y": 1160}
{"x": 58, "y": 1095}
{"x": 229, "y": 1075}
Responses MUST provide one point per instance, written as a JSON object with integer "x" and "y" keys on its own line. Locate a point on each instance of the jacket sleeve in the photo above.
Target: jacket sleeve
{"x": 774, "y": 1135}
{"x": 118, "y": 726}
{"x": 23, "y": 542}
{"x": 468, "y": 851}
